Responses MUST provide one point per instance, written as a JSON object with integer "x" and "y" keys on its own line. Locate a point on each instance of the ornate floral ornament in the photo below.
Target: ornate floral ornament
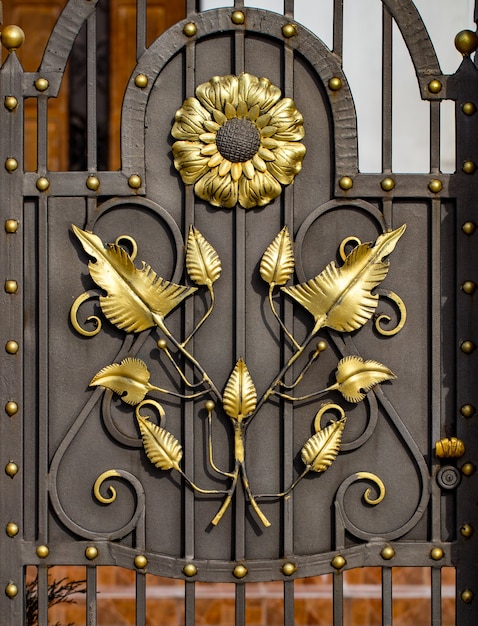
{"x": 238, "y": 141}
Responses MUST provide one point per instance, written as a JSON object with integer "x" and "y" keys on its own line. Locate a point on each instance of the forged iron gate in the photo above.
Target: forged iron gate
{"x": 238, "y": 358}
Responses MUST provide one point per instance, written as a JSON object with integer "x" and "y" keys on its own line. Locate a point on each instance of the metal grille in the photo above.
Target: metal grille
{"x": 400, "y": 483}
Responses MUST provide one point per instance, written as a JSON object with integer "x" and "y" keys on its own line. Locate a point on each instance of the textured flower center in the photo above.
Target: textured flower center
{"x": 238, "y": 140}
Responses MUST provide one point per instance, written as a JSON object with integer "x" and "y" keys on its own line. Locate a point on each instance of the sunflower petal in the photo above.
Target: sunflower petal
{"x": 266, "y": 154}
{"x": 209, "y": 149}
{"x": 208, "y": 137}
{"x": 254, "y": 112}
{"x": 288, "y": 162}
{"x": 215, "y": 160}
{"x": 248, "y": 169}
{"x": 259, "y": 191}
{"x": 259, "y": 163}
{"x": 242, "y": 109}
{"x": 188, "y": 160}
{"x": 190, "y": 120}
{"x": 288, "y": 120}
{"x": 236, "y": 171}
{"x": 219, "y": 90}
{"x": 229, "y": 111}
{"x": 211, "y": 126}
{"x": 263, "y": 121}
{"x": 219, "y": 117}
{"x": 217, "y": 190}
{"x": 258, "y": 91}
{"x": 224, "y": 167}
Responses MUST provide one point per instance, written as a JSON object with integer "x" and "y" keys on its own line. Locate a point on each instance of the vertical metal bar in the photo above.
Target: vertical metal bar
{"x": 386, "y": 90}
{"x": 289, "y": 8}
{"x": 91, "y": 598}
{"x": 91, "y": 91}
{"x": 240, "y": 605}
{"x": 189, "y": 603}
{"x": 338, "y": 27}
{"x": 434, "y": 137}
{"x": 140, "y": 599}
{"x": 141, "y": 18}
{"x": 42, "y": 595}
{"x": 338, "y": 598}
{"x": 436, "y": 596}
{"x": 387, "y": 614}
{"x": 289, "y": 603}
{"x": 42, "y": 135}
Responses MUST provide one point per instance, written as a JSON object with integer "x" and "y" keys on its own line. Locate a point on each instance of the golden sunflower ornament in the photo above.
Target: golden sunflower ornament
{"x": 238, "y": 141}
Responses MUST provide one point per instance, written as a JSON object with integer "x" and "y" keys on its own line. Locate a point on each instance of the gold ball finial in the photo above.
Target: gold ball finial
{"x": 435, "y": 185}
{"x": 93, "y": 182}
{"x": 387, "y": 184}
{"x": 12, "y": 37}
{"x": 11, "y": 529}
{"x": 141, "y": 81}
{"x": 468, "y": 228}
{"x": 469, "y": 287}
{"x": 434, "y": 86}
{"x": 11, "y": 226}
{"x": 346, "y": 183}
{"x": 11, "y": 286}
{"x": 289, "y": 568}
{"x": 467, "y": 596}
{"x": 289, "y": 30}
{"x": 91, "y": 552}
{"x": 11, "y": 590}
{"x": 468, "y": 347}
{"x": 240, "y": 571}
{"x": 436, "y": 554}
{"x": 140, "y": 561}
{"x": 238, "y": 17}
{"x": 11, "y": 103}
{"x": 321, "y": 346}
{"x": 335, "y": 83}
{"x": 41, "y": 84}
{"x": 468, "y": 167}
{"x": 338, "y": 562}
{"x": 43, "y": 183}
{"x": 12, "y": 347}
{"x": 468, "y": 469}
{"x": 162, "y": 344}
{"x": 11, "y": 408}
{"x": 466, "y": 42}
{"x": 468, "y": 108}
{"x": 467, "y": 410}
{"x": 134, "y": 181}
{"x": 190, "y": 570}
{"x": 11, "y": 469}
{"x": 42, "y": 552}
{"x": 190, "y": 29}
{"x": 387, "y": 553}
{"x": 209, "y": 405}
{"x": 466, "y": 530}
{"x": 11, "y": 164}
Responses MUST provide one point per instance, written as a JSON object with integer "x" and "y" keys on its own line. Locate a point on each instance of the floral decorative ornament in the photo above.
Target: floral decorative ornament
{"x": 238, "y": 141}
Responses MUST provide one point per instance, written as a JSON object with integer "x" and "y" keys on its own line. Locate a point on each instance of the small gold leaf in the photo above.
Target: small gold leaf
{"x": 355, "y": 377}
{"x": 129, "y": 379}
{"x": 277, "y": 263}
{"x": 240, "y": 396}
{"x": 161, "y": 447}
{"x": 202, "y": 261}
{"x": 321, "y": 449}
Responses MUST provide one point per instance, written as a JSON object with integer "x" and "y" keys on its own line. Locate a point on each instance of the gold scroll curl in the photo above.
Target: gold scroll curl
{"x": 111, "y": 490}
{"x": 402, "y": 314}
{"x": 87, "y": 295}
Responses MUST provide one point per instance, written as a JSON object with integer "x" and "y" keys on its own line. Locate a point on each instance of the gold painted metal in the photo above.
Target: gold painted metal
{"x": 11, "y": 469}
{"x": 289, "y": 568}
{"x": 467, "y": 346}
{"x": 289, "y": 30}
{"x": 91, "y": 552}
{"x": 12, "y": 347}
{"x": 141, "y": 81}
{"x": 468, "y": 469}
{"x": 190, "y": 570}
{"x": 134, "y": 181}
{"x": 42, "y": 551}
{"x": 449, "y": 448}
{"x": 387, "y": 184}
{"x": 466, "y": 42}
{"x": 469, "y": 108}
{"x": 13, "y": 37}
{"x": 335, "y": 83}
{"x": 209, "y": 405}
{"x": 11, "y": 286}
{"x": 162, "y": 344}
{"x": 436, "y": 554}
{"x": 11, "y": 408}
{"x": 11, "y": 226}
{"x": 111, "y": 490}
{"x": 435, "y": 86}
{"x": 387, "y": 553}
{"x": 190, "y": 29}
{"x": 468, "y": 167}
{"x": 41, "y": 84}
{"x": 245, "y": 144}
{"x": 469, "y": 287}
{"x": 435, "y": 185}
{"x": 11, "y": 529}
{"x": 466, "y": 530}
{"x": 92, "y": 318}
{"x": 93, "y": 182}
{"x": 338, "y": 562}
{"x": 140, "y": 561}
{"x": 240, "y": 571}
{"x": 238, "y": 17}
{"x": 400, "y": 304}
{"x": 11, "y": 103}
{"x": 43, "y": 183}
{"x": 11, "y": 590}
{"x": 467, "y": 596}
{"x": 11, "y": 164}
{"x": 467, "y": 410}
{"x": 469, "y": 228}
{"x": 346, "y": 183}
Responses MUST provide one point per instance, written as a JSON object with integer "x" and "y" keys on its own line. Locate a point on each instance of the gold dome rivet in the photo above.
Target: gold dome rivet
{"x": 42, "y": 183}
{"x": 466, "y": 42}
{"x": 435, "y": 185}
{"x": 134, "y": 181}
{"x": 387, "y": 184}
{"x": 190, "y": 570}
{"x": 467, "y": 347}
{"x": 11, "y": 164}
{"x": 240, "y": 571}
{"x": 11, "y": 226}
{"x": 468, "y": 469}
{"x": 468, "y": 167}
{"x": 141, "y": 81}
{"x": 346, "y": 183}
{"x": 434, "y": 86}
{"x": 11, "y": 590}
{"x": 11, "y": 286}
{"x": 467, "y": 410}
{"x": 91, "y": 552}
{"x": 93, "y": 182}
{"x": 11, "y": 347}
{"x": 42, "y": 552}
{"x": 468, "y": 108}
{"x": 11, "y": 103}
{"x": 289, "y": 30}
{"x": 140, "y": 561}
{"x": 468, "y": 228}
{"x": 41, "y": 84}
{"x": 338, "y": 562}
{"x": 11, "y": 529}
{"x": 162, "y": 344}
{"x": 289, "y": 568}
{"x": 12, "y": 37}
{"x": 335, "y": 83}
{"x": 436, "y": 554}
{"x": 469, "y": 287}
{"x": 209, "y": 405}
{"x": 11, "y": 408}
{"x": 11, "y": 469}
{"x": 467, "y": 596}
{"x": 321, "y": 346}
{"x": 466, "y": 530}
{"x": 238, "y": 17}
{"x": 387, "y": 553}
{"x": 190, "y": 29}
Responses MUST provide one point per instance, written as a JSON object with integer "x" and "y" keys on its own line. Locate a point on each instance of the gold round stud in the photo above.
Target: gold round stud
{"x": 41, "y": 84}
{"x": 12, "y": 347}
{"x": 11, "y": 226}
{"x": 42, "y": 552}
{"x": 468, "y": 469}
{"x": 91, "y": 552}
{"x": 466, "y": 530}
{"x": 238, "y": 17}
{"x": 466, "y": 42}
{"x": 467, "y": 347}
{"x": 335, "y": 83}
{"x": 467, "y": 596}
{"x": 467, "y": 410}
{"x": 190, "y": 570}
{"x": 289, "y": 568}
{"x": 134, "y": 181}
{"x": 11, "y": 408}
{"x": 209, "y": 405}
{"x": 11, "y": 590}
{"x": 140, "y": 561}
{"x": 190, "y": 29}
{"x": 240, "y": 571}
{"x": 436, "y": 554}
{"x": 338, "y": 562}
{"x": 289, "y": 30}
{"x": 141, "y": 81}
{"x": 11, "y": 103}
{"x": 11, "y": 164}
{"x": 346, "y": 183}
{"x": 162, "y": 344}
{"x": 468, "y": 108}
{"x": 93, "y": 182}
{"x": 387, "y": 184}
{"x": 321, "y": 346}
{"x": 468, "y": 228}
{"x": 435, "y": 185}
{"x": 12, "y": 37}
{"x": 11, "y": 529}
{"x": 11, "y": 286}
{"x": 469, "y": 287}
{"x": 42, "y": 183}
{"x": 387, "y": 553}
{"x": 434, "y": 86}
{"x": 11, "y": 469}
{"x": 468, "y": 167}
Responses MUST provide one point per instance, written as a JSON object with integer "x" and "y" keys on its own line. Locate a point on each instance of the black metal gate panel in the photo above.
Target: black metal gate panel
{"x": 238, "y": 358}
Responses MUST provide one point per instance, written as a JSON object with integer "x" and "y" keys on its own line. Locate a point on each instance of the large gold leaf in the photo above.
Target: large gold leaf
{"x": 240, "y": 396}
{"x": 321, "y": 449}
{"x": 129, "y": 379}
{"x": 355, "y": 377}
{"x": 341, "y": 297}
{"x": 202, "y": 261}
{"x": 161, "y": 447}
{"x": 135, "y": 298}
{"x": 277, "y": 263}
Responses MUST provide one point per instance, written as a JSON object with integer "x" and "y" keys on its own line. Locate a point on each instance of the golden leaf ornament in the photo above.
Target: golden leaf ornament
{"x": 136, "y": 299}
{"x": 277, "y": 263}
{"x": 202, "y": 261}
{"x": 355, "y": 377}
{"x": 321, "y": 449}
{"x": 341, "y": 298}
{"x": 240, "y": 395}
{"x": 161, "y": 447}
{"x": 129, "y": 379}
